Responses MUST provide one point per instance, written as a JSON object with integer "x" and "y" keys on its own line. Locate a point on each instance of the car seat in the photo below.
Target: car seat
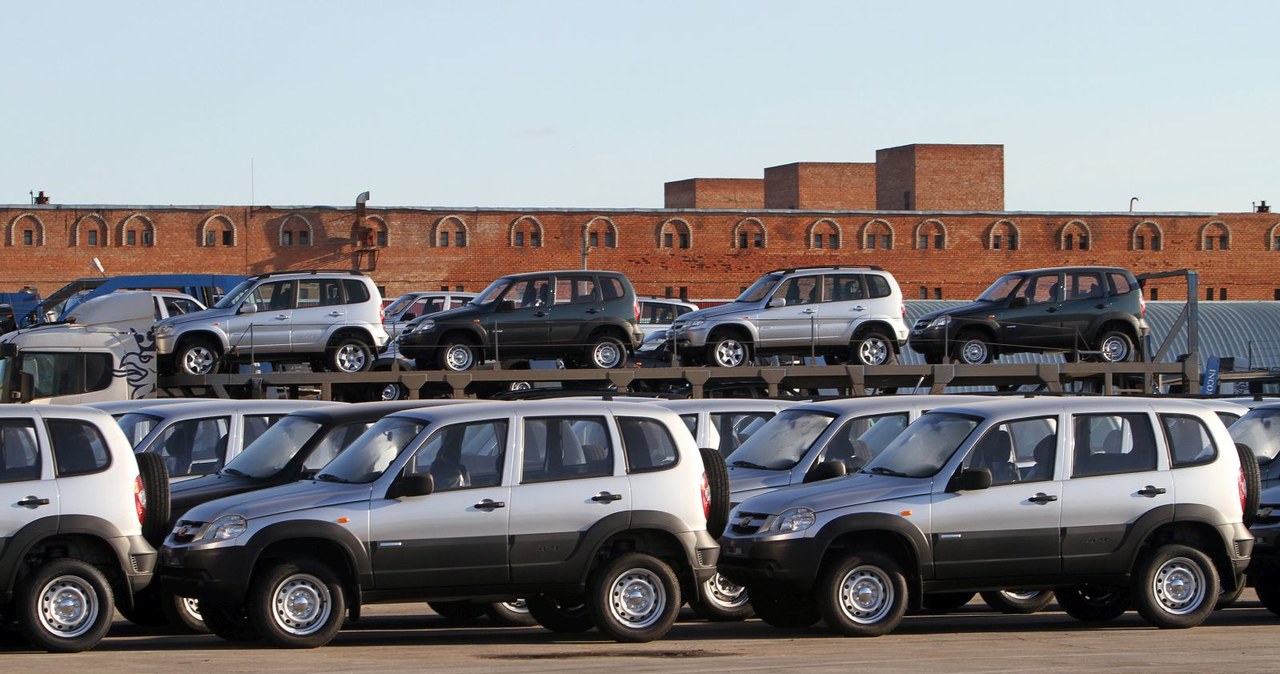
{"x": 994, "y": 452}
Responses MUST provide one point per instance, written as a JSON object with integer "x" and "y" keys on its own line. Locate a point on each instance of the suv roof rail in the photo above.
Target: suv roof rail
{"x": 873, "y": 267}
{"x": 280, "y": 272}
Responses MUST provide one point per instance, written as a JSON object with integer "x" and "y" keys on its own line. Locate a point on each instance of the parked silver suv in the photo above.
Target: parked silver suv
{"x": 847, "y": 314}
{"x": 331, "y": 319}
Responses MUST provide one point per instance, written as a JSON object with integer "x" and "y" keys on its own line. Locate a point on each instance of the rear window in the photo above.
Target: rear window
{"x": 1120, "y": 283}
{"x": 878, "y": 286}
{"x": 611, "y": 287}
{"x": 1189, "y": 441}
{"x": 356, "y": 290}
{"x": 78, "y": 447}
{"x": 19, "y": 451}
{"x": 648, "y": 444}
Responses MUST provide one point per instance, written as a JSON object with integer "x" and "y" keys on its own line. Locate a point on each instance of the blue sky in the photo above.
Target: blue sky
{"x": 560, "y": 103}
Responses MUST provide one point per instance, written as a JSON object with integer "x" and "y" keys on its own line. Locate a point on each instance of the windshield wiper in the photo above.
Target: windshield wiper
{"x": 330, "y": 477}
{"x": 748, "y": 464}
{"x": 236, "y": 473}
{"x": 881, "y": 470}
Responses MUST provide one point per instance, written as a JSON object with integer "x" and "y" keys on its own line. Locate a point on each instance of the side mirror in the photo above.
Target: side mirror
{"x": 777, "y": 302}
{"x": 417, "y": 484}
{"x": 26, "y": 384}
{"x": 1019, "y": 302}
{"x": 248, "y": 308}
{"x": 970, "y": 479}
{"x": 506, "y": 306}
{"x": 825, "y": 471}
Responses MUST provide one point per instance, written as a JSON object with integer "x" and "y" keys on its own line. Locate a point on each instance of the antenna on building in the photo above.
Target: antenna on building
{"x": 97, "y": 264}
{"x": 1131, "y": 200}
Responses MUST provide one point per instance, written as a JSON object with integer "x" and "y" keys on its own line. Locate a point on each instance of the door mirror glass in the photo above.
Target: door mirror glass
{"x": 414, "y": 484}
{"x": 970, "y": 479}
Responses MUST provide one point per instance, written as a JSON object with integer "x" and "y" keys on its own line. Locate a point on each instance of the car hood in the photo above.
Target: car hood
{"x": 1270, "y": 496}
{"x": 840, "y": 492}
{"x": 464, "y": 312}
{"x": 730, "y": 309}
{"x": 745, "y": 481}
{"x": 962, "y": 310}
{"x": 207, "y": 316}
{"x": 285, "y": 498}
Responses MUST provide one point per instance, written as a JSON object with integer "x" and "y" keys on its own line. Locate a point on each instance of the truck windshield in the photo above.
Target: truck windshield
{"x": 782, "y": 441}
{"x": 373, "y": 452}
{"x": 235, "y": 295}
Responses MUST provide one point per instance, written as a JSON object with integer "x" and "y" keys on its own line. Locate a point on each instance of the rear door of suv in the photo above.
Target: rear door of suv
{"x": 25, "y": 496}
{"x": 576, "y": 306}
{"x": 845, "y": 304}
{"x": 1084, "y": 299}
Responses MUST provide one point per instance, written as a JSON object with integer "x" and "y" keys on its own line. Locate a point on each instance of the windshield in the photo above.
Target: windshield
{"x": 1259, "y": 430}
{"x": 1001, "y": 289}
{"x": 782, "y": 442}
{"x": 266, "y": 455}
{"x": 372, "y": 452}
{"x": 136, "y": 426}
{"x": 760, "y": 289}
{"x": 235, "y": 295}
{"x": 925, "y": 447}
{"x": 493, "y": 292}
{"x": 399, "y": 305}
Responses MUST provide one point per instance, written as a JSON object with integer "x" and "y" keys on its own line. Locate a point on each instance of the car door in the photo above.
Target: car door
{"x": 192, "y": 447}
{"x": 320, "y": 306}
{"x": 25, "y": 497}
{"x": 521, "y": 327}
{"x": 794, "y": 325}
{"x": 1022, "y": 542}
{"x": 1118, "y": 476}
{"x": 844, "y": 305}
{"x": 1084, "y": 298}
{"x": 263, "y": 318}
{"x": 456, "y": 535}
{"x": 576, "y": 304}
{"x": 571, "y": 478}
{"x": 1032, "y": 319}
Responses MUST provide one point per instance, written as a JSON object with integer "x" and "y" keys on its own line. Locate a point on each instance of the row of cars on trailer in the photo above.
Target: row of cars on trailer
{"x": 287, "y": 517}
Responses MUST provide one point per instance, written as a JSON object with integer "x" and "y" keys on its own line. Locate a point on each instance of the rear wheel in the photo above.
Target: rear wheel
{"x": 781, "y": 608}
{"x": 727, "y": 351}
{"x": 1090, "y": 603}
{"x": 65, "y": 606}
{"x": 510, "y": 613}
{"x": 873, "y": 348}
{"x": 560, "y": 614}
{"x": 349, "y": 354}
{"x": 1175, "y": 586}
{"x": 863, "y": 595}
{"x": 723, "y": 600}
{"x": 634, "y": 598}
{"x": 1114, "y": 346}
{"x": 461, "y": 611}
{"x": 605, "y": 353}
{"x": 971, "y": 349}
{"x": 183, "y": 612}
{"x": 1008, "y": 601}
{"x": 229, "y": 621}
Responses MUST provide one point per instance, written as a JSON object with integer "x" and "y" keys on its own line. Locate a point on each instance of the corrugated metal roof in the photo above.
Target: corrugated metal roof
{"x": 1246, "y": 331}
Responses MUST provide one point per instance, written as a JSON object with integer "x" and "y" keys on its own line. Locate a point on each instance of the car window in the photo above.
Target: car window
{"x": 648, "y": 444}
{"x": 575, "y": 289}
{"x": 565, "y": 448}
{"x": 657, "y": 313}
{"x": 177, "y": 306}
{"x": 1085, "y": 286}
{"x": 611, "y": 288}
{"x": 1041, "y": 289}
{"x": 1189, "y": 441}
{"x": 781, "y": 443}
{"x": 855, "y": 444}
{"x": 463, "y": 456}
{"x": 193, "y": 446}
{"x": 372, "y": 453}
{"x": 877, "y": 286}
{"x": 257, "y": 424}
{"x": 691, "y": 423}
{"x": 799, "y": 290}
{"x": 925, "y": 446}
{"x": 66, "y": 373}
{"x": 276, "y": 296}
{"x": 273, "y": 449}
{"x": 356, "y": 290}
{"x": 1106, "y": 444}
{"x": 78, "y": 447}
{"x": 529, "y": 293}
{"x": 1120, "y": 283}
{"x": 842, "y": 287}
{"x": 19, "y": 451}
{"x": 319, "y": 293}
{"x": 1024, "y": 450}
{"x": 333, "y": 443}
{"x": 730, "y": 429}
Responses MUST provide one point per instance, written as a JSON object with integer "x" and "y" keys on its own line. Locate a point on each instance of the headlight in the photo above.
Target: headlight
{"x": 793, "y": 519}
{"x": 425, "y": 325}
{"x": 939, "y": 322}
{"x": 697, "y": 322}
{"x": 162, "y": 330}
{"x": 224, "y": 528}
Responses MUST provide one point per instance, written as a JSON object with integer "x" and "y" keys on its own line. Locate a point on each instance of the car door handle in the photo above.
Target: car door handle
{"x": 1151, "y": 491}
{"x": 490, "y": 504}
{"x": 540, "y": 314}
{"x": 594, "y": 310}
{"x": 809, "y": 311}
{"x": 1051, "y": 310}
{"x": 858, "y": 309}
{"x": 335, "y": 313}
{"x": 1042, "y": 497}
{"x": 606, "y": 497}
{"x": 32, "y": 502}
{"x": 282, "y": 317}
{"x": 1102, "y": 306}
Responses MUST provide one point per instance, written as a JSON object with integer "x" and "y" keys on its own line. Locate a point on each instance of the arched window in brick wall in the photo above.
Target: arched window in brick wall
{"x": 877, "y": 234}
{"x": 600, "y": 232}
{"x": 137, "y": 230}
{"x": 1215, "y": 235}
{"x": 25, "y": 230}
{"x": 450, "y": 230}
{"x": 217, "y": 230}
{"x": 749, "y": 233}
{"x": 375, "y": 231}
{"x": 1075, "y": 235}
{"x": 90, "y": 231}
{"x": 824, "y": 233}
{"x": 1273, "y": 237}
{"x": 1003, "y": 235}
{"x": 296, "y": 230}
{"x": 675, "y": 233}
{"x": 931, "y": 234}
{"x": 525, "y": 232}
{"x": 1147, "y": 235}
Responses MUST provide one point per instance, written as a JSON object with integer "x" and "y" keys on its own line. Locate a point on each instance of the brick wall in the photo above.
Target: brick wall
{"x": 715, "y": 193}
{"x": 819, "y": 186}
{"x": 931, "y": 177}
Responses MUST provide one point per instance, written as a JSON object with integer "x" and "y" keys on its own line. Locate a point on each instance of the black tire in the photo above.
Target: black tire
{"x": 83, "y": 600}
{"x": 605, "y": 352}
{"x": 183, "y": 612}
{"x": 1228, "y": 597}
{"x": 560, "y": 614}
{"x": 1088, "y": 603}
{"x": 862, "y": 595}
{"x": 348, "y": 354}
{"x": 388, "y": 392}
{"x": 155, "y": 487}
{"x": 933, "y": 358}
{"x": 197, "y": 357}
{"x": 457, "y": 354}
{"x": 873, "y": 348}
{"x": 1114, "y": 346}
{"x": 458, "y": 611}
{"x": 634, "y": 598}
{"x": 146, "y": 610}
{"x": 305, "y": 584}
{"x": 783, "y": 609}
{"x": 1268, "y": 589}
{"x": 1252, "y": 483}
{"x": 1008, "y": 601}
{"x": 722, "y": 600}
{"x": 728, "y": 350}
{"x": 718, "y": 482}
{"x": 1175, "y": 587}
{"x": 946, "y": 601}
{"x": 229, "y": 621}
{"x": 510, "y": 613}
{"x": 970, "y": 348}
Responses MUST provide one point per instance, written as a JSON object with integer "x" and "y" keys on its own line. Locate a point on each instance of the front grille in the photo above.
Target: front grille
{"x": 921, "y": 325}
{"x": 1268, "y": 514}
{"x": 748, "y": 523}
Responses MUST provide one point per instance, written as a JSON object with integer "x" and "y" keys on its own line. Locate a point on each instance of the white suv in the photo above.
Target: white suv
{"x": 331, "y": 319}
{"x": 847, "y": 314}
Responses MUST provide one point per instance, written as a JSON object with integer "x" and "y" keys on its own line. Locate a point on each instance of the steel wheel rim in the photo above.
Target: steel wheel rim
{"x": 1114, "y": 349}
{"x": 68, "y": 606}
{"x": 517, "y": 606}
{"x": 974, "y": 352}
{"x": 730, "y": 353}
{"x": 606, "y": 355}
{"x": 1021, "y": 596}
{"x": 725, "y": 593}
{"x": 458, "y": 357}
{"x": 350, "y": 358}
{"x": 301, "y": 604}
{"x": 637, "y": 598}
{"x": 866, "y": 595}
{"x": 390, "y": 392}
{"x": 1179, "y": 586}
{"x": 198, "y": 360}
{"x": 873, "y": 351}
{"x": 191, "y": 607}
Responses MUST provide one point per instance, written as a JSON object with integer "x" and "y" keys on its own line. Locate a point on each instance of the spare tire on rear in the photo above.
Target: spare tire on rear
{"x": 718, "y": 480}
{"x": 155, "y": 487}
{"x": 1252, "y": 483}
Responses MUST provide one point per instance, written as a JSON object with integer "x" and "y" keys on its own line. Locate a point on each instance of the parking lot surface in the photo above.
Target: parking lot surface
{"x": 408, "y": 637}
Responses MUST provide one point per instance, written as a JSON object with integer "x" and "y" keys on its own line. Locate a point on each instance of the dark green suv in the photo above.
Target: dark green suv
{"x": 586, "y": 317}
{"x": 1091, "y": 313}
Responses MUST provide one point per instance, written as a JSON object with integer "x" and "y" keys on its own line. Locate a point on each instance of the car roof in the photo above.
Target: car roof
{"x": 887, "y": 403}
{"x": 371, "y": 410}
{"x": 1083, "y": 267}
{"x": 207, "y": 407}
{"x": 1052, "y": 405}
{"x": 557, "y": 407}
{"x": 688, "y": 405}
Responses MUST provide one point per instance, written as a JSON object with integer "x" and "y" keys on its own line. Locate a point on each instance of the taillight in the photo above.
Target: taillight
{"x": 706, "y": 497}
{"x": 903, "y": 308}
{"x": 1142, "y": 306}
{"x": 139, "y": 498}
{"x": 635, "y": 306}
{"x": 1244, "y": 490}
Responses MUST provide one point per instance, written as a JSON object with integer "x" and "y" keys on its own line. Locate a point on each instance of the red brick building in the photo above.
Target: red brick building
{"x": 953, "y": 241}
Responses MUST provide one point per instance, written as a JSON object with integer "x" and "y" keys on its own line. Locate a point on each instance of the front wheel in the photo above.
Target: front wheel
{"x": 297, "y": 604}
{"x": 1008, "y": 601}
{"x": 1114, "y": 346}
{"x": 727, "y": 351}
{"x": 605, "y": 353}
{"x": 65, "y": 606}
{"x": 1090, "y": 603}
{"x": 1268, "y": 589}
{"x": 873, "y": 348}
{"x": 971, "y": 349}
{"x": 197, "y": 357}
{"x": 863, "y": 595}
{"x": 1175, "y": 586}
{"x": 634, "y": 598}
{"x": 349, "y": 355}
{"x": 457, "y": 355}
